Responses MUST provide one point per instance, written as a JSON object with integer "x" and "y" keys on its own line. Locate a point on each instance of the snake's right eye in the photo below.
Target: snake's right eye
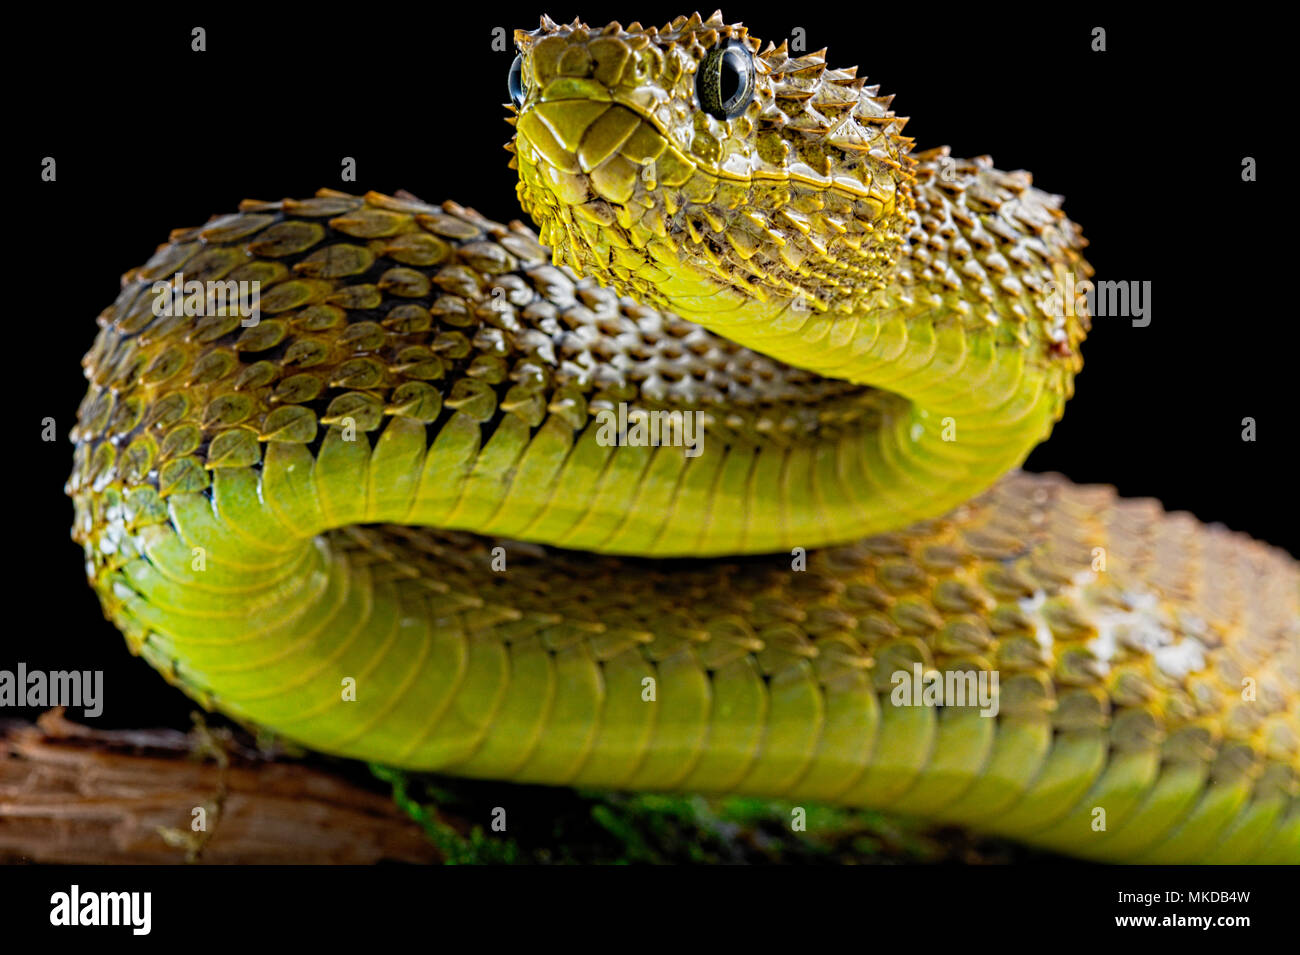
{"x": 517, "y": 90}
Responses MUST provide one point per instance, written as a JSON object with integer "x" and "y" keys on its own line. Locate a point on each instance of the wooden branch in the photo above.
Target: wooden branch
{"x": 70, "y": 794}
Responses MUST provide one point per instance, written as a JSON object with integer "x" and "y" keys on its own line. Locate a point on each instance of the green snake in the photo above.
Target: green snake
{"x": 389, "y": 519}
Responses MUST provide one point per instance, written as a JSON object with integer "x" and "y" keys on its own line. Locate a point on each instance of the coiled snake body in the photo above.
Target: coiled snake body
{"x": 357, "y": 520}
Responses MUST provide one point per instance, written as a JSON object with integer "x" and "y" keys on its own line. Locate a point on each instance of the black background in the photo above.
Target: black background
{"x": 1146, "y": 140}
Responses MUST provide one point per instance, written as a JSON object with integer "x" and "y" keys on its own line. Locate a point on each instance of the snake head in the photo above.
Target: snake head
{"x": 687, "y": 169}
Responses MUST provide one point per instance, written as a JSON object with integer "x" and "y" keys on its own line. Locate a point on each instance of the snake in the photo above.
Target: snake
{"x": 412, "y": 510}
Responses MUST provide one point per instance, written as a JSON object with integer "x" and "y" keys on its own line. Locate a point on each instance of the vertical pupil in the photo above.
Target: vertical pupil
{"x": 729, "y": 80}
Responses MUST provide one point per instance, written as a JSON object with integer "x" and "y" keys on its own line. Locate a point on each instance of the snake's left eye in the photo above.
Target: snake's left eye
{"x": 516, "y": 81}
{"x": 724, "y": 81}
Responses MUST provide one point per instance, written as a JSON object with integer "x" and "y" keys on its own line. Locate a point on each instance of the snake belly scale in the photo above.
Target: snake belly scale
{"x": 394, "y": 479}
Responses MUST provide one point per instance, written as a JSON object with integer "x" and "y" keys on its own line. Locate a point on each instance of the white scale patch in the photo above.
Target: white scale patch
{"x": 1033, "y": 607}
{"x": 1139, "y": 626}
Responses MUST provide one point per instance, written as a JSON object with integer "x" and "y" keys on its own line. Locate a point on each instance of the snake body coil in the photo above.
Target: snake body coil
{"x": 356, "y": 521}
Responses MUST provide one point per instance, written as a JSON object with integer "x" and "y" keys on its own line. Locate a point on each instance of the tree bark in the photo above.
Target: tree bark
{"x": 70, "y": 794}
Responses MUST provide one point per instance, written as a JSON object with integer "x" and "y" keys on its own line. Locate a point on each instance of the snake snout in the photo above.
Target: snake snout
{"x": 588, "y": 171}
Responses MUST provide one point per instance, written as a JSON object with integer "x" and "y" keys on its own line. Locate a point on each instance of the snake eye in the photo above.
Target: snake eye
{"x": 725, "y": 80}
{"x": 516, "y": 81}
